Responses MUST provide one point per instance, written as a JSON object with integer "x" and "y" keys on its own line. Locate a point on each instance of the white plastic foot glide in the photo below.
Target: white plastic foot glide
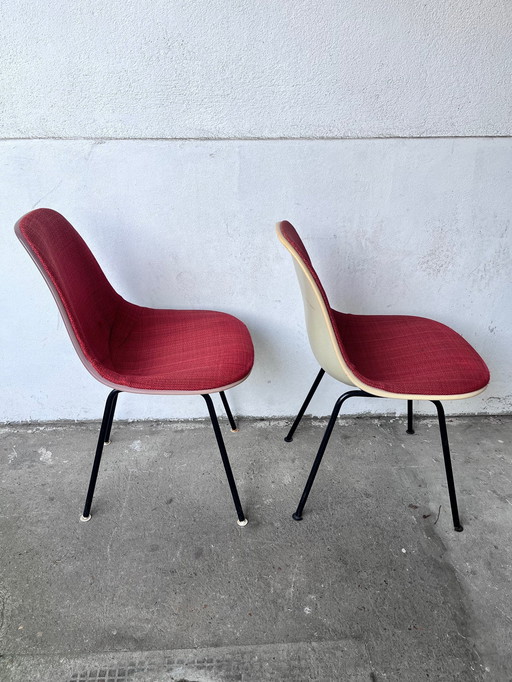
{"x": 84, "y": 519}
{"x": 243, "y": 523}
{"x": 235, "y": 430}
{"x": 107, "y": 442}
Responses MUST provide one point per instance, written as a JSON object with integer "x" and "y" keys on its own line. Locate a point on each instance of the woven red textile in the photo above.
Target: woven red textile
{"x": 179, "y": 350}
{"x": 413, "y": 355}
{"x": 399, "y": 353}
{"x": 129, "y": 345}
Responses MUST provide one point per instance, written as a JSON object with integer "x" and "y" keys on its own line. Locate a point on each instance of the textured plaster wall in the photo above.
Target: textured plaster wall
{"x": 417, "y": 226}
{"x": 394, "y": 226}
{"x": 234, "y": 68}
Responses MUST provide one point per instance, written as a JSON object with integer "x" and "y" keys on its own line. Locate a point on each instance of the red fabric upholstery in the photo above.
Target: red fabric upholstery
{"x": 179, "y": 350}
{"x": 411, "y": 355}
{"x": 398, "y": 353}
{"x": 129, "y": 345}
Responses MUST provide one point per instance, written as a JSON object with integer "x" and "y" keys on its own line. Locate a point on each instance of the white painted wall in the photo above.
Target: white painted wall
{"x": 232, "y": 68}
{"x": 398, "y": 226}
{"x": 417, "y": 226}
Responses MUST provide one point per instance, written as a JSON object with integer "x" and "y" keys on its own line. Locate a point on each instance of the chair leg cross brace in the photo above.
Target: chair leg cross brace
{"x": 325, "y": 440}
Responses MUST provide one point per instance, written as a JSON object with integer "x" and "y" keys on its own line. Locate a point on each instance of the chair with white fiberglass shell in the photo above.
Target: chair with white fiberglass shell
{"x": 132, "y": 348}
{"x": 384, "y": 356}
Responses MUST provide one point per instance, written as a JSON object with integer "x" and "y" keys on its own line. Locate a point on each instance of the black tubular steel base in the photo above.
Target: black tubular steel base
{"x": 448, "y": 465}
{"x": 104, "y": 436}
{"x": 229, "y": 415}
{"x": 337, "y": 407}
{"x": 305, "y": 404}
{"x": 410, "y": 418}
{"x": 242, "y": 521}
{"x": 111, "y": 418}
{"x": 328, "y": 431}
{"x": 106, "y": 425}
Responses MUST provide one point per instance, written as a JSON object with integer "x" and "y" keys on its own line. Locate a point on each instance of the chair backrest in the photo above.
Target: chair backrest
{"x": 85, "y": 298}
{"x": 323, "y": 333}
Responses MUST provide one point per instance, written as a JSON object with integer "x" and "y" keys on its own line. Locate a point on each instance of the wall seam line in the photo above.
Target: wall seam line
{"x": 252, "y": 139}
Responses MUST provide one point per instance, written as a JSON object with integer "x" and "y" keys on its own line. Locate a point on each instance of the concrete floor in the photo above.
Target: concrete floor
{"x": 163, "y": 586}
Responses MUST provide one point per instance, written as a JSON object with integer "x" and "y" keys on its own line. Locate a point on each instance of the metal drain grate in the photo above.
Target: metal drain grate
{"x": 315, "y": 662}
{"x": 311, "y": 661}
{"x": 174, "y": 669}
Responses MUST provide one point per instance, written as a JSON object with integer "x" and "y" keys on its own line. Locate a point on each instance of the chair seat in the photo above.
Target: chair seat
{"x": 409, "y": 355}
{"x": 177, "y": 350}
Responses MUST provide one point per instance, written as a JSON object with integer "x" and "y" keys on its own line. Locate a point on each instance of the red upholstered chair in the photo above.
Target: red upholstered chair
{"x": 131, "y": 348}
{"x": 385, "y": 356}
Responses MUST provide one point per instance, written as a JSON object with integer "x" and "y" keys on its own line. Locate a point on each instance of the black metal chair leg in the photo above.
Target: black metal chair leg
{"x": 229, "y": 415}
{"x": 298, "y": 418}
{"x": 325, "y": 440}
{"x": 242, "y": 521}
{"x": 111, "y": 418}
{"x": 108, "y": 414}
{"x": 410, "y": 418}
{"x": 448, "y": 466}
